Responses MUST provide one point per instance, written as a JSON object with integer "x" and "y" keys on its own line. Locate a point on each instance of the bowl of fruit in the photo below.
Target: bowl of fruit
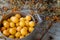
{"x": 17, "y": 25}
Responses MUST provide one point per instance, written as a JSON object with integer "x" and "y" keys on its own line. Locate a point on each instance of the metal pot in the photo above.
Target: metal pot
{"x": 30, "y": 36}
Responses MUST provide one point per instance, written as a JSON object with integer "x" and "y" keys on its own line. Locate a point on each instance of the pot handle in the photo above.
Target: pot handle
{"x": 37, "y": 18}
